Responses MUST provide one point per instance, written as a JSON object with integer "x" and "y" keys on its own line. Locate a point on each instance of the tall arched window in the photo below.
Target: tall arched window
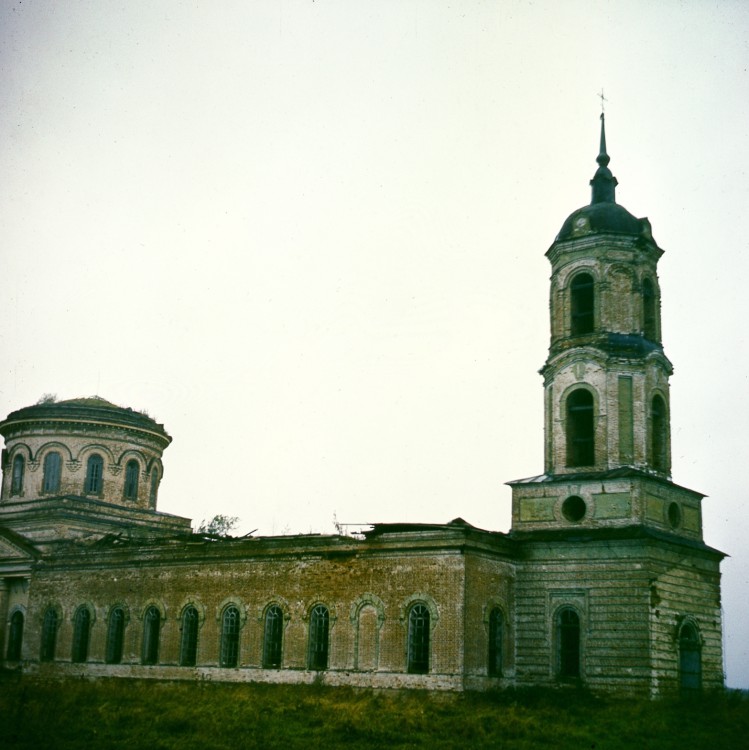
{"x": 319, "y": 629}
{"x": 52, "y": 473}
{"x": 582, "y": 304}
{"x": 15, "y": 637}
{"x": 690, "y": 658}
{"x": 81, "y": 632}
{"x": 151, "y": 628}
{"x": 649, "y": 319}
{"x": 418, "y": 639}
{"x": 132, "y": 470}
{"x": 94, "y": 475}
{"x": 188, "y": 642}
{"x": 273, "y": 637}
{"x": 49, "y": 635}
{"x": 115, "y": 636}
{"x": 659, "y": 434}
{"x": 16, "y": 482}
{"x": 154, "y": 487}
{"x": 229, "y": 655}
{"x": 568, "y": 643}
{"x": 580, "y": 428}
{"x": 496, "y": 628}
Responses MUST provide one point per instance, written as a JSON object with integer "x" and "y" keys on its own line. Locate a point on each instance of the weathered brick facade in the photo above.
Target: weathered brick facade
{"x": 604, "y": 578}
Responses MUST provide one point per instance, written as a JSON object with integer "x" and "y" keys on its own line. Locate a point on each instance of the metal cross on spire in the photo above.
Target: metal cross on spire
{"x": 603, "y": 100}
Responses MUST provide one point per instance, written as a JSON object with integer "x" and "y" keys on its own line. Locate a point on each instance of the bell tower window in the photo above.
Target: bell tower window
{"x": 659, "y": 430}
{"x": 582, "y": 298}
{"x": 580, "y": 432}
{"x": 648, "y": 311}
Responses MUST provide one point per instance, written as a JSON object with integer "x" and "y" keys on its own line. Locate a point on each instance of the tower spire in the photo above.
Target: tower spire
{"x": 603, "y": 183}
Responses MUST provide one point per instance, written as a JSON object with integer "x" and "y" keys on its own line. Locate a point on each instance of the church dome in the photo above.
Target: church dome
{"x": 603, "y": 218}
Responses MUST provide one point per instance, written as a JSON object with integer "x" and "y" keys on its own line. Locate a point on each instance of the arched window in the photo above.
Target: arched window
{"x": 15, "y": 637}
{"x": 154, "y": 487}
{"x": 16, "y": 482}
{"x": 319, "y": 628}
{"x": 580, "y": 428}
{"x": 418, "y": 639}
{"x": 690, "y": 658}
{"x": 115, "y": 636}
{"x": 496, "y": 628}
{"x": 81, "y": 632}
{"x": 649, "y": 326}
{"x": 151, "y": 627}
{"x": 94, "y": 475}
{"x": 49, "y": 635}
{"x": 582, "y": 303}
{"x": 273, "y": 637}
{"x": 188, "y": 643}
{"x": 568, "y": 643}
{"x": 659, "y": 434}
{"x": 52, "y": 473}
{"x": 229, "y": 656}
{"x": 132, "y": 470}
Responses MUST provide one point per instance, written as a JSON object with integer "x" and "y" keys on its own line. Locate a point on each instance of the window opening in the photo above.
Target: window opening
{"x": 94, "y": 472}
{"x": 568, "y": 643}
{"x": 659, "y": 427}
{"x": 49, "y": 635}
{"x": 52, "y": 472}
{"x": 273, "y": 637}
{"x": 115, "y": 636}
{"x": 319, "y": 627}
{"x": 573, "y": 508}
{"x": 496, "y": 626}
{"x": 418, "y": 639}
{"x": 648, "y": 311}
{"x": 15, "y": 637}
{"x": 674, "y": 515}
{"x": 229, "y": 656}
{"x": 582, "y": 298}
{"x": 131, "y": 480}
{"x": 188, "y": 647}
{"x": 151, "y": 627}
{"x": 690, "y": 658}
{"x": 16, "y": 485}
{"x": 154, "y": 487}
{"x": 81, "y": 630}
{"x": 580, "y": 431}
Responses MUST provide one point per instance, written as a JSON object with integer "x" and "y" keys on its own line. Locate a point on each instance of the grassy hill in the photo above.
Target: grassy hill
{"x": 147, "y": 714}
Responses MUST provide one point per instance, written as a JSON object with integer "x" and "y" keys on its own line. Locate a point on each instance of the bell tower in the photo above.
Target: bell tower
{"x": 606, "y": 380}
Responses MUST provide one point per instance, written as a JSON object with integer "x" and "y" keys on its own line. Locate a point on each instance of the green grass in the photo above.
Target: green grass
{"x": 137, "y": 714}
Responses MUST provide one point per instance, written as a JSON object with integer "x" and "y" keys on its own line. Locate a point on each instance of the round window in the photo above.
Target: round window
{"x": 573, "y": 508}
{"x": 674, "y": 515}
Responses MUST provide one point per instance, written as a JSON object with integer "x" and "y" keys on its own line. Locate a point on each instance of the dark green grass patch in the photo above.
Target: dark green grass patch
{"x": 144, "y": 714}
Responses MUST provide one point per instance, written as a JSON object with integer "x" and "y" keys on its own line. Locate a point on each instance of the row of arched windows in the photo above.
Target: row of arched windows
{"x": 582, "y": 306}
{"x": 568, "y": 645}
{"x": 318, "y": 642}
{"x": 581, "y": 428}
{"x": 93, "y": 483}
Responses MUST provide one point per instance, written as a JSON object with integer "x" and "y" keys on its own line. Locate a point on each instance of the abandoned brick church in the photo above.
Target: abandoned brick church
{"x": 604, "y": 578}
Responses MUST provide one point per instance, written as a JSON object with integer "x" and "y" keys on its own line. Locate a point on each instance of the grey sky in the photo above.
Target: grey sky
{"x": 309, "y": 238}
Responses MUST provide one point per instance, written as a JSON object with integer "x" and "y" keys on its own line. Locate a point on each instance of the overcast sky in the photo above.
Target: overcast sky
{"x": 308, "y": 237}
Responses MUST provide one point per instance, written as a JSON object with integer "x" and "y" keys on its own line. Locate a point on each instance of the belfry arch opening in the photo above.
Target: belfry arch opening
{"x": 580, "y": 428}
{"x": 582, "y": 304}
